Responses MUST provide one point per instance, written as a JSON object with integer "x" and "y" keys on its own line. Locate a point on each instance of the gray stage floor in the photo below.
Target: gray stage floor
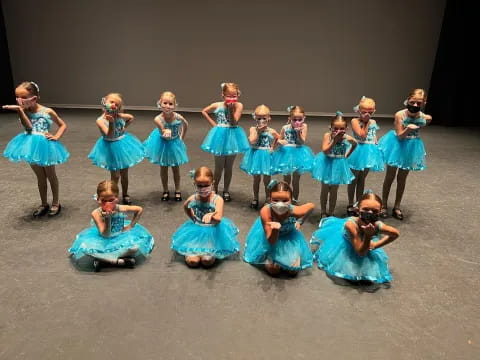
{"x": 163, "y": 310}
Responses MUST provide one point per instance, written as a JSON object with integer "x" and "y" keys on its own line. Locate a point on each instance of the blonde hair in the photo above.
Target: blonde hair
{"x": 116, "y": 95}
{"x": 366, "y": 103}
{"x": 231, "y": 86}
{"x": 418, "y": 92}
{"x": 294, "y": 109}
{"x": 262, "y": 109}
{"x": 203, "y": 171}
{"x": 168, "y": 94}
{"x": 107, "y": 186}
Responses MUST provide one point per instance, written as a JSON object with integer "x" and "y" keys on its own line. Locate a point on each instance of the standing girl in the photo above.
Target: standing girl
{"x": 37, "y": 146}
{"x": 403, "y": 148}
{"x": 258, "y": 159}
{"x": 226, "y": 139}
{"x": 274, "y": 239}
{"x": 207, "y": 235}
{"x": 165, "y": 144}
{"x": 331, "y": 165}
{"x": 116, "y": 150}
{"x": 113, "y": 239}
{"x": 293, "y": 158}
{"x": 350, "y": 247}
{"x": 367, "y": 155}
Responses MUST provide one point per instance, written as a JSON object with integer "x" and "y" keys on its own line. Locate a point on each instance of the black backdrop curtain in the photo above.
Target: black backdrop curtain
{"x": 6, "y": 82}
{"x": 449, "y": 101}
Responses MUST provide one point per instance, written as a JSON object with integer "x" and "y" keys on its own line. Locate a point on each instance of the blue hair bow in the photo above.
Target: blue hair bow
{"x": 191, "y": 173}
{"x": 272, "y": 183}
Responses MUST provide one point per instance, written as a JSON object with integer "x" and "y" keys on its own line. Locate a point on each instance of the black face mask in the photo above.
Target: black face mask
{"x": 368, "y": 216}
{"x": 413, "y": 109}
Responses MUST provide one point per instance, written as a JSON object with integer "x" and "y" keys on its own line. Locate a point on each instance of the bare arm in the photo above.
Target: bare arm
{"x": 62, "y": 127}
{"x": 360, "y": 247}
{"x": 127, "y": 117}
{"x": 358, "y": 130}
{"x": 187, "y": 210}
{"x": 400, "y": 130}
{"x": 137, "y": 212}
{"x": 271, "y": 228}
{"x": 106, "y": 130}
{"x": 253, "y": 136}
{"x": 328, "y": 143}
{"x": 184, "y": 127}
{"x": 353, "y": 144}
{"x": 302, "y": 133}
{"x": 206, "y": 115}
{"x": 390, "y": 234}
{"x": 27, "y": 124}
{"x": 158, "y": 121}
{"x": 102, "y": 221}
{"x": 428, "y": 118}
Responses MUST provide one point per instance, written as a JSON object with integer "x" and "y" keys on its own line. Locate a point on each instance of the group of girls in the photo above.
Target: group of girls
{"x": 275, "y": 239}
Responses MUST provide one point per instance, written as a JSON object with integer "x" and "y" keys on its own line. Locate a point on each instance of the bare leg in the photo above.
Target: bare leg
{"x": 332, "y": 202}
{"x": 351, "y": 188}
{"x": 266, "y": 181}
{"x": 217, "y": 175}
{"x": 387, "y": 184}
{"x": 256, "y": 186}
{"x": 176, "y": 177}
{"x": 296, "y": 184}
{"x": 361, "y": 183}
{"x": 164, "y": 177}
{"x": 41, "y": 182}
{"x": 124, "y": 177}
{"x": 52, "y": 178}
{"x": 401, "y": 182}
{"x": 323, "y": 198}
{"x": 227, "y": 178}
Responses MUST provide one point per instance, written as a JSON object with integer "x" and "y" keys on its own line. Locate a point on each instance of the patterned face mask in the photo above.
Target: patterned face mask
{"x": 203, "y": 191}
{"x": 297, "y": 123}
{"x": 27, "y": 103}
{"x": 280, "y": 207}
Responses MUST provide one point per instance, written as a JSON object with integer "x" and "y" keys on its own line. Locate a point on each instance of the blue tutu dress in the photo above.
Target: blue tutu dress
{"x": 407, "y": 153}
{"x": 258, "y": 159}
{"x": 293, "y": 156}
{"x": 367, "y": 154}
{"x": 337, "y": 256}
{"x": 92, "y": 244}
{"x": 166, "y": 151}
{"x": 33, "y": 147}
{"x": 121, "y": 151}
{"x": 290, "y": 251}
{"x": 333, "y": 168}
{"x": 225, "y": 138}
{"x": 195, "y": 238}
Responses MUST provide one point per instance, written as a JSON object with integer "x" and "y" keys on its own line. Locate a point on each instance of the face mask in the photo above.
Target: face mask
{"x": 27, "y": 103}
{"x": 204, "y": 191}
{"x": 280, "y": 207}
{"x": 298, "y": 123}
{"x": 413, "y": 109}
{"x": 231, "y": 99}
{"x": 365, "y": 116}
{"x": 261, "y": 122}
{"x": 368, "y": 216}
{"x": 109, "y": 206}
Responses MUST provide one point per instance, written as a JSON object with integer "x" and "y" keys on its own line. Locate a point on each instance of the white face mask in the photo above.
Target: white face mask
{"x": 280, "y": 207}
{"x": 204, "y": 191}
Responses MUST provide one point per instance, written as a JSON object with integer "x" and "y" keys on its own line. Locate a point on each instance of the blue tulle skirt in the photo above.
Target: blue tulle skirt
{"x": 331, "y": 171}
{"x": 291, "y": 250}
{"x": 193, "y": 239}
{"x": 165, "y": 152}
{"x": 225, "y": 141}
{"x": 288, "y": 159}
{"x": 407, "y": 154}
{"x": 117, "y": 155}
{"x": 257, "y": 162}
{"x": 36, "y": 149}
{"x": 91, "y": 243}
{"x": 367, "y": 156}
{"x": 337, "y": 256}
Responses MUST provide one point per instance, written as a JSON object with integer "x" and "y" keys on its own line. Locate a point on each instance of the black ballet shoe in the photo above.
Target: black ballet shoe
{"x": 127, "y": 200}
{"x": 166, "y": 196}
{"x": 226, "y": 196}
{"x": 178, "y": 196}
{"x": 129, "y": 262}
{"x": 351, "y": 210}
{"x": 383, "y": 213}
{"x": 41, "y": 210}
{"x": 254, "y": 204}
{"x": 397, "y": 213}
{"x": 97, "y": 265}
{"x": 55, "y": 210}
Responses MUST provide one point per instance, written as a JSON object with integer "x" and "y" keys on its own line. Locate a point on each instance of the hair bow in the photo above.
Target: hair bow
{"x": 271, "y": 184}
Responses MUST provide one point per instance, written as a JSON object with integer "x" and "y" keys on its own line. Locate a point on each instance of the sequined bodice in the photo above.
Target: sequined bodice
{"x": 375, "y": 237}
{"x": 117, "y": 222}
{"x": 173, "y": 126}
{"x": 288, "y": 224}
{"x": 291, "y": 135}
{"x": 41, "y": 121}
{"x": 419, "y": 121}
{"x": 372, "y": 131}
{"x": 200, "y": 208}
{"x": 222, "y": 115}
{"x": 265, "y": 140}
{"x": 339, "y": 149}
{"x": 119, "y": 125}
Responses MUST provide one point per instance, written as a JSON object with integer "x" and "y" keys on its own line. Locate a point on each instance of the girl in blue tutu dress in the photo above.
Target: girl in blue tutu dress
{"x": 36, "y": 145}
{"x": 293, "y": 158}
{"x": 116, "y": 150}
{"x": 226, "y": 139}
{"x": 350, "y": 248}
{"x": 207, "y": 235}
{"x": 274, "y": 239}
{"x": 331, "y": 166}
{"x": 165, "y": 145}
{"x": 112, "y": 239}
{"x": 367, "y": 156}
{"x": 257, "y": 161}
{"x": 403, "y": 149}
